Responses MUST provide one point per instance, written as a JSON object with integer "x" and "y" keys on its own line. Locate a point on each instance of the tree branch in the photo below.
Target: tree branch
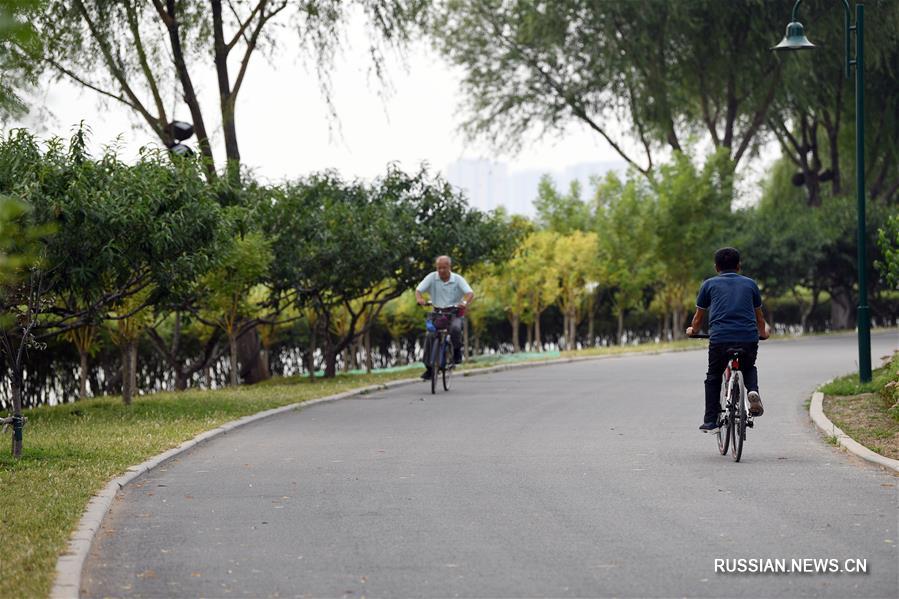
{"x": 243, "y": 27}
{"x": 145, "y": 66}
{"x": 251, "y": 46}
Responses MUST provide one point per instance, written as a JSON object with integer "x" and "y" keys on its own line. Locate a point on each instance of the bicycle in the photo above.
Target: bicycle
{"x": 441, "y": 358}
{"x": 733, "y": 416}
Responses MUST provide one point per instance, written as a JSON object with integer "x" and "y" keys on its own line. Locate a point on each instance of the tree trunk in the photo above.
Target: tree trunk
{"x": 127, "y": 389}
{"x": 312, "y": 343}
{"x": 253, "y": 368}
{"x": 807, "y": 311}
{"x": 232, "y": 351}
{"x": 465, "y": 339}
{"x": 538, "y": 343}
{"x": 132, "y": 369}
{"x": 82, "y": 383}
{"x": 330, "y": 355}
{"x": 841, "y": 315}
{"x": 619, "y": 338}
{"x": 563, "y": 345}
{"x": 529, "y": 332}
{"x": 15, "y": 387}
{"x": 190, "y": 95}
{"x": 591, "y": 329}
{"x": 572, "y": 321}
{"x": 516, "y": 337}
{"x": 369, "y": 359}
{"x": 180, "y": 379}
{"x": 227, "y": 100}
{"x": 677, "y": 328}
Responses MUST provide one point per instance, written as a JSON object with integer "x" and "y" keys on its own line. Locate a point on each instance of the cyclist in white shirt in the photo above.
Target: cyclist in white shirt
{"x": 445, "y": 289}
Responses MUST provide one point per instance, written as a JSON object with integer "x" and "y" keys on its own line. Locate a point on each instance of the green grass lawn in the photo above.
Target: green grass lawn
{"x": 869, "y": 412}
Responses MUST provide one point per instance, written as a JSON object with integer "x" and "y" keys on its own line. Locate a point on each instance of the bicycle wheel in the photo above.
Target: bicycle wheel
{"x": 447, "y": 369}
{"x": 435, "y": 362}
{"x": 723, "y": 428}
{"x": 738, "y": 396}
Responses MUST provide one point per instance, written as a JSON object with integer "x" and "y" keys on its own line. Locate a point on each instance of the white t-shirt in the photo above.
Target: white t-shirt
{"x": 444, "y": 294}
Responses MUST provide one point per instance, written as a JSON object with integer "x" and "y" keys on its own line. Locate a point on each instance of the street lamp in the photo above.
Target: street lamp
{"x": 795, "y": 40}
{"x": 180, "y": 131}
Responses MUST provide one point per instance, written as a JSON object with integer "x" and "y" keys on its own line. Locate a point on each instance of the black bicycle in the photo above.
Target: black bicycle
{"x": 441, "y": 358}
{"x": 733, "y": 414}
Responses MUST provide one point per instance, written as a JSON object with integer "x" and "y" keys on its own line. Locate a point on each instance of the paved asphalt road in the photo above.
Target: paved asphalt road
{"x": 579, "y": 480}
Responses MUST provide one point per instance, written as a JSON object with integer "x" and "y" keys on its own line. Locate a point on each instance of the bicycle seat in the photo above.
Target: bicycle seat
{"x": 735, "y": 351}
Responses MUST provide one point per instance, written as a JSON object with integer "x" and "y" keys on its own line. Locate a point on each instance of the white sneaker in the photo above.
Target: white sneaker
{"x": 755, "y": 404}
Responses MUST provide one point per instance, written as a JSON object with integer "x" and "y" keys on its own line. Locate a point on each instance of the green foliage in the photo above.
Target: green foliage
{"x": 15, "y": 30}
{"x": 627, "y": 242}
{"x": 336, "y": 242}
{"x": 19, "y": 242}
{"x": 692, "y": 220}
{"x": 561, "y": 213}
{"x": 119, "y": 228}
{"x": 888, "y": 240}
{"x": 243, "y": 265}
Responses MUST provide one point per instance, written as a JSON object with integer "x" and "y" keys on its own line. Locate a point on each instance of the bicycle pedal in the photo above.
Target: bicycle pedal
{"x": 750, "y": 424}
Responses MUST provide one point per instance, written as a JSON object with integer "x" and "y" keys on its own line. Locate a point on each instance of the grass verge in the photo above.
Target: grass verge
{"x": 869, "y": 413}
{"x": 72, "y": 450}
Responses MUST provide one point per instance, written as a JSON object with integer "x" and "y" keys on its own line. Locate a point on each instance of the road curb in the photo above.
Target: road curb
{"x": 816, "y": 411}
{"x": 67, "y": 582}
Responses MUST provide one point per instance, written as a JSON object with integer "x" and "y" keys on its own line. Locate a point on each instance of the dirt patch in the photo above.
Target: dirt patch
{"x": 865, "y": 418}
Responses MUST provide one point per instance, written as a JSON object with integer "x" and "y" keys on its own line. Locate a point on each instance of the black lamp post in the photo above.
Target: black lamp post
{"x": 179, "y": 130}
{"x": 795, "y": 40}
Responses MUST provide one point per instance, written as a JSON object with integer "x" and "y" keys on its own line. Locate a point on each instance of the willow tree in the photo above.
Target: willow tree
{"x": 138, "y": 55}
{"x": 667, "y": 70}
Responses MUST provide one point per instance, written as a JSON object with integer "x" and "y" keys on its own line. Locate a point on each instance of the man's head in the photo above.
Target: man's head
{"x": 727, "y": 259}
{"x": 444, "y": 267}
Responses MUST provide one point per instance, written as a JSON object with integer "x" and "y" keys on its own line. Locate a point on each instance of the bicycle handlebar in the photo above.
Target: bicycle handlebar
{"x": 707, "y": 336}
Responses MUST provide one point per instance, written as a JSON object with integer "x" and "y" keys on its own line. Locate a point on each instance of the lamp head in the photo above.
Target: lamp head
{"x": 794, "y": 39}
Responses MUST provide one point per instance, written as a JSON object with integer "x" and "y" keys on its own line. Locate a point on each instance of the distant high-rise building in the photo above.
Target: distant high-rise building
{"x": 489, "y": 184}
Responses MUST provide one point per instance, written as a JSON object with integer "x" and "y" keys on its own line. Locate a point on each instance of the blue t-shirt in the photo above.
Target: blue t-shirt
{"x": 731, "y": 300}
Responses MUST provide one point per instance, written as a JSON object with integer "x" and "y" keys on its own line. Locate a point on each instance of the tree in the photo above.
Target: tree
{"x": 15, "y": 31}
{"x": 575, "y": 262}
{"x": 662, "y": 67}
{"x": 22, "y": 302}
{"x": 534, "y": 266}
{"x": 814, "y": 117}
{"x": 136, "y": 54}
{"x": 561, "y": 213}
{"x": 122, "y": 232}
{"x": 626, "y": 240}
{"x": 690, "y": 223}
{"x": 336, "y": 242}
{"x": 888, "y": 239}
{"x": 227, "y": 302}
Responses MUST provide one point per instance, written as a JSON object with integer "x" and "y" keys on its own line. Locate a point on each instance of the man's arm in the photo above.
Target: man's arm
{"x": 466, "y": 299}
{"x": 764, "y": 331}
{"x": 420, "y": 298}
{"x": 696, "y": 325}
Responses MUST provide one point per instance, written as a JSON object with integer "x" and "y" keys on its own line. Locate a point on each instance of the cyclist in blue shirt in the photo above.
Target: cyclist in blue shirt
{"x": 446, "y": 289}
{"x": 734, "y": 306}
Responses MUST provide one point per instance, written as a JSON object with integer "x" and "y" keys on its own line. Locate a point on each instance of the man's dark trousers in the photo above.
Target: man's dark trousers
{"x": 717, "y": 363}
{"x": 455, "y": 331}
